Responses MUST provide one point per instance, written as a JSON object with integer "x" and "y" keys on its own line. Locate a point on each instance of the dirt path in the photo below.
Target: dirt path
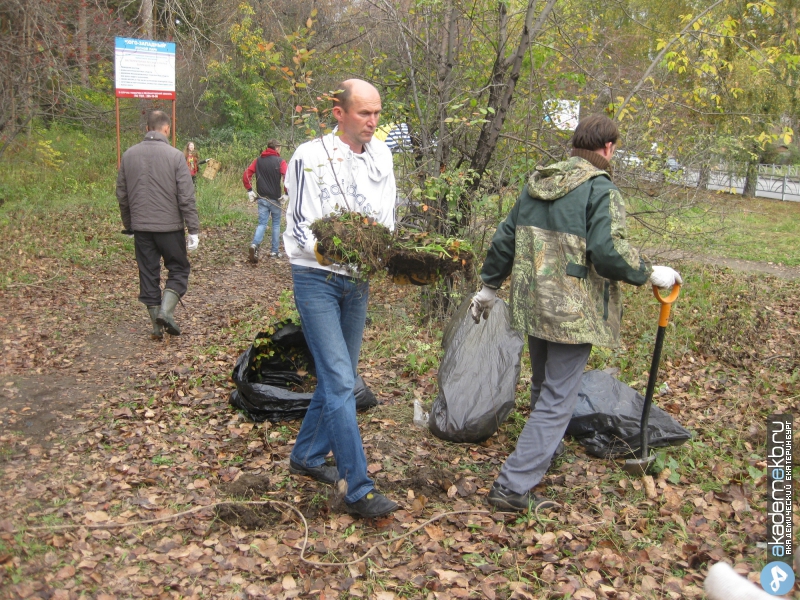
{"x": 746, "y": 266}
{"x": 57, "y": 372}
{"x": 100, "y": 424}
{"x": 115, "y": 352}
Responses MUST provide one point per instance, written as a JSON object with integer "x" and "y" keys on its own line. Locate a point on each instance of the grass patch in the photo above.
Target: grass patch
{"x": 724, "y": 225}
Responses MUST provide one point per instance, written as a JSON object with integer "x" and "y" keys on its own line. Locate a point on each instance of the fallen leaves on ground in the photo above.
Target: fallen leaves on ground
{"x": 100, "y": 426}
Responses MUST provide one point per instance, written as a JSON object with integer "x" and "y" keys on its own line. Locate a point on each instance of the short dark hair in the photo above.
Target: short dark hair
{"x": 594, "y": 132}
{"x": 157, "y": 119}
{"x": 274, "y": 144}
{"x": 341, "y": 97}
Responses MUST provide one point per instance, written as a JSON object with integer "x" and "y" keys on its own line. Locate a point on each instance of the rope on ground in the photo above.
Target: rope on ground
{"x": 259, "y": 503}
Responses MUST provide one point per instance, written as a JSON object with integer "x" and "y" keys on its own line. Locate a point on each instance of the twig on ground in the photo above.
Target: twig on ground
{"x": 36, "y": 284}
{"x": 259, "y": 503}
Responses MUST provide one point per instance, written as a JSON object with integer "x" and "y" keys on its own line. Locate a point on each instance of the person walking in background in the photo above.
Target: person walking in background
{"x": 156, "y": 201}
{"x": 564, "y": 244}
{"x": 269, "y": 169}
{"x": 344, "y": 170}
{"x": 193, "y": 160}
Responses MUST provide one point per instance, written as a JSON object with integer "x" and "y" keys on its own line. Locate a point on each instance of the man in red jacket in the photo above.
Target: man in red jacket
{"x": 269, "y": 169}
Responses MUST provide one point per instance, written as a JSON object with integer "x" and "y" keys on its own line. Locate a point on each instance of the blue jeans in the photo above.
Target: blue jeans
{"x": 267, "y": 209}
{"x": 333, "y": 309}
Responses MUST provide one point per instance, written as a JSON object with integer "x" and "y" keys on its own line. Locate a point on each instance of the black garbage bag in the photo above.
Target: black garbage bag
{"x": 478, "y": 375}
{"x": 607, "y": 419}
{"x": 264, "y": 385}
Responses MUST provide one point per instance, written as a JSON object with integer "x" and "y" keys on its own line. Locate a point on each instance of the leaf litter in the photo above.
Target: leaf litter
{"x": 143, "y": 430}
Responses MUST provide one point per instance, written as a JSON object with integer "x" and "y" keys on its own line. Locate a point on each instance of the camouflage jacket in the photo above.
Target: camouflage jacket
{"x": 564, "y": 244}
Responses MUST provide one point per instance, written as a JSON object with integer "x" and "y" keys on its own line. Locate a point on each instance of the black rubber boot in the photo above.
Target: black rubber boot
{"x": 158, "y": 331}
{"x": 166, "y": 314}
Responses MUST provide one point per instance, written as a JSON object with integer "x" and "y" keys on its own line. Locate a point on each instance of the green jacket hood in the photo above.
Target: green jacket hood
{"x": 557, "y": 180}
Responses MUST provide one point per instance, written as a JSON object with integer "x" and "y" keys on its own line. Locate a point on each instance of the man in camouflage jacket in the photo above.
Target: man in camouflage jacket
{"x": 564, "y": 244}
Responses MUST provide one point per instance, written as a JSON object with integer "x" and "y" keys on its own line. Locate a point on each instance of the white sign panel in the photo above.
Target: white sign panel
{"x": 144, "y": 68}
{"x": 564, "y": 114}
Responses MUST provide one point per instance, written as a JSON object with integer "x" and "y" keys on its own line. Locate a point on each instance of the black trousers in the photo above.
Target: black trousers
{"x": 151, "y": 247}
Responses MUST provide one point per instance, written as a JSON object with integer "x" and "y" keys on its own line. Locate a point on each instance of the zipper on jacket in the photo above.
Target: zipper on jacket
{"x": 606, "y": 295}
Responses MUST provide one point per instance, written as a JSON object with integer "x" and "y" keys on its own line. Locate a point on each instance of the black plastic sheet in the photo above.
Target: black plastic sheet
{"x": 607, "y": 419}
{"x": 271, "y": 398}
{"x": 478, "y": 375}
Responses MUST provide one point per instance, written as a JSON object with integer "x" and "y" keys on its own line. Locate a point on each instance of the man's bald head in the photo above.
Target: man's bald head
{"x": 349, "y": 87}
{"x": 356, "y": 109}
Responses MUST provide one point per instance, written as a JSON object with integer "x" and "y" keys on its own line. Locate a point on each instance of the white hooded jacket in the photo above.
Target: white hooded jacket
{"x": 318, "y": 173}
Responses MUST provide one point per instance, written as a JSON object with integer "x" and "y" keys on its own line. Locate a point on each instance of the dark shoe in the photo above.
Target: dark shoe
{"x": 158, "y": 331}
{"x": 372, "y": 505}
{"x": 324, "y": 473}
{"x": 166, "y": 314}
{"x": 253, "y": 256}
{"x": 504, "y": 498}
{"x": 560, "y": 450}
{"x": 274, "y": 255}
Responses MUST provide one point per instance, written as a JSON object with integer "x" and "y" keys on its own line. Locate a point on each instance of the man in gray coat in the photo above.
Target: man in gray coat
{"x": 156, "y": 200}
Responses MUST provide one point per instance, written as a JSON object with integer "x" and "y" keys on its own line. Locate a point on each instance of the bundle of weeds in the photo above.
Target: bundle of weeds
{"x": 352, "y": 239}
{"x": 427, "y": 256}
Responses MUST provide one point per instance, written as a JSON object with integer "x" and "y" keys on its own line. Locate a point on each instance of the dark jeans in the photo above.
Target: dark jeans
{"x": 151, "y": 247}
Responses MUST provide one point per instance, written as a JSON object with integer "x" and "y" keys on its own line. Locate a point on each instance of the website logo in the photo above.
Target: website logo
{"x": 777, "y": 578}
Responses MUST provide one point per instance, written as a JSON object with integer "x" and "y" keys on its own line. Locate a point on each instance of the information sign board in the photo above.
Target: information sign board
{"x": 144, "y": 69}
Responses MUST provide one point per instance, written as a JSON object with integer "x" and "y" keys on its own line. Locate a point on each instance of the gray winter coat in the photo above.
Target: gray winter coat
{"x": 155, "y": 189}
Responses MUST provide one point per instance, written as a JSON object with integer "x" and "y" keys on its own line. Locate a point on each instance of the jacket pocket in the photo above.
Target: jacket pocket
{"x": 579, "y": 271}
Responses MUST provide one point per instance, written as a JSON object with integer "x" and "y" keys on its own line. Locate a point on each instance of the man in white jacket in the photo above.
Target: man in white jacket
{"x": 346, "y": 170}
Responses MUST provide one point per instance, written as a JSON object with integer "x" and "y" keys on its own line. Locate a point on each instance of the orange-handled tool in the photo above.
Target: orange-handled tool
{"x": 666, "y": 303}
{"x": 639, "y": 466}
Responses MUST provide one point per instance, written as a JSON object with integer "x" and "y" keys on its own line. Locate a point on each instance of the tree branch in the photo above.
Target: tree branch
{"x": 660, "y": 55}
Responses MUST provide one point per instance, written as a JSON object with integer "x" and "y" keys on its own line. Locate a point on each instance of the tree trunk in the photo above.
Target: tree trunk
{"x": 505, "y": 74}
{"x": 83, "y": 43}
{"x": 444, "y": 92}
{"x": 751, "y": 180}
{"x": 146, "y": 15}
{"x": 704, "y": 176}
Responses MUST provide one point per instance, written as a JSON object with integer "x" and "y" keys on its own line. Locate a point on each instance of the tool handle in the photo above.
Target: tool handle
{"x": 666, "y": 303}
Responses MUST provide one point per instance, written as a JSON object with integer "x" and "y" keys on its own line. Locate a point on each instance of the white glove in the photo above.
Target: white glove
{"x": 284, "y": 198}
{"x": 482, "y": 303}
{"x": 251, "y": 195}
{"x": 665, "y": 277}
{"x": 194, "y": 241}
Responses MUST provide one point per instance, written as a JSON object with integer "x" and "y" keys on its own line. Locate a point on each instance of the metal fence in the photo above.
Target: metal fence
{"x": 780, "y": 182}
